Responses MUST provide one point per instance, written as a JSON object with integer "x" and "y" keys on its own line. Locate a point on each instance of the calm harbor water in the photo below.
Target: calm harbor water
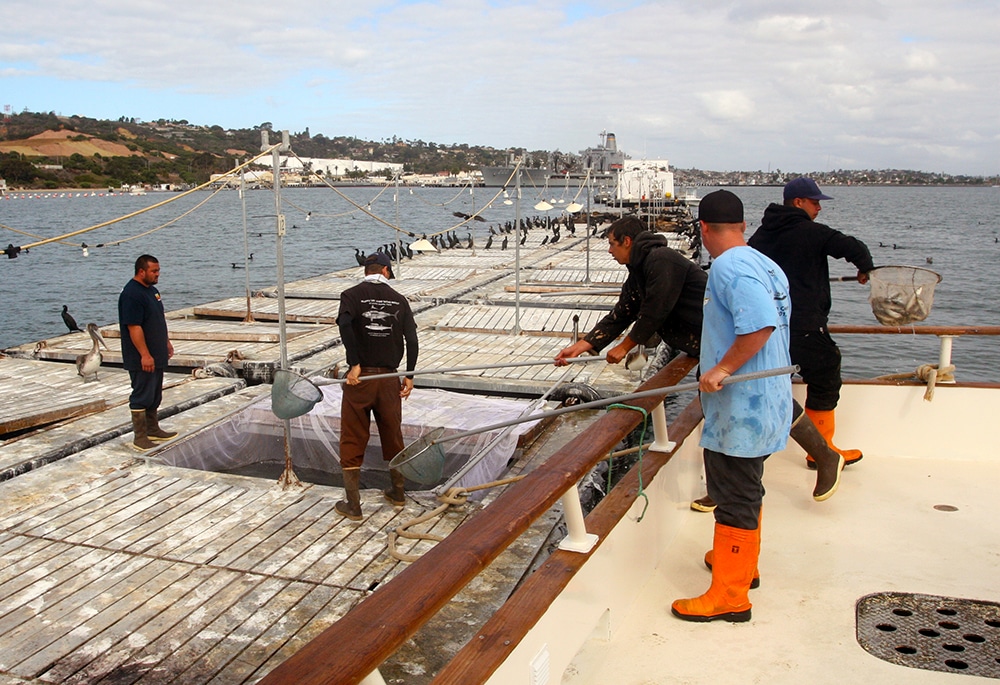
{"x": 957, "y": 228}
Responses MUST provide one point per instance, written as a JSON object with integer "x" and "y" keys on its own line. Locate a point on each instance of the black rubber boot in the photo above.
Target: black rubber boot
{"x": 351, "y": 507}
{"x": 153, "y": 430}
{"x": 141, "y": 441}
{"x": 829, "y": 463}
{"x": 395, "y": 494}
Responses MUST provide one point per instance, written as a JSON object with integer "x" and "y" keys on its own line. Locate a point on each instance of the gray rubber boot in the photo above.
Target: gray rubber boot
{"x": 141, "y": 441}
{"x": 351, "y": 507}
{"x": 829, "y": 463}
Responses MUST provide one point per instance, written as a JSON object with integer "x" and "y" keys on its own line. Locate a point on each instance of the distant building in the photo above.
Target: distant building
{"x": 335, "y": 168}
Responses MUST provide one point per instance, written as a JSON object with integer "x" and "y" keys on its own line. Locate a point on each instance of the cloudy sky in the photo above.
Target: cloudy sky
{"x": 796, "y": 85}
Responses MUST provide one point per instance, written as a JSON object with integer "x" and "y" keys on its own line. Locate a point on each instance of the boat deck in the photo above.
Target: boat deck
{"x": 883, "y": 531}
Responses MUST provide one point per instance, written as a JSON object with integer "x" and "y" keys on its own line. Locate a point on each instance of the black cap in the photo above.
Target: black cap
{"x": 720, "y": 207}
{"x": 380, "y": 258}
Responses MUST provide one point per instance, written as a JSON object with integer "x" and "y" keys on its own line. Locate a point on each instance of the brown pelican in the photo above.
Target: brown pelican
{"x": 69, "y": 320}
{"x": 88, "y": 364}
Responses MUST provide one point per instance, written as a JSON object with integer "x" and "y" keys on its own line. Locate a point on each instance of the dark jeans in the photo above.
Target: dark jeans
{"x": 381, "y": 397}
{"x": 737, "y": 487}
{"x": 147, "y": 389}
{"x": 818, "y": 358}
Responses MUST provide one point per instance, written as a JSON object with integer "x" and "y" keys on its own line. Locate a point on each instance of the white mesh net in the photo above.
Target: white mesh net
{"x": 252, "y": 441}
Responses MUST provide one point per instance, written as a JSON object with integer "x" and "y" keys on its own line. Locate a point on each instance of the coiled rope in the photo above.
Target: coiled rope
{"x": 454, "y": 497}
{"x": 927, "y": 373}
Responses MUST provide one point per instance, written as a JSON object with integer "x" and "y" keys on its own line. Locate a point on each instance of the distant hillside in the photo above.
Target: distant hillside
{"x": 39, "y": 151}
{"x": 49, "y": 151}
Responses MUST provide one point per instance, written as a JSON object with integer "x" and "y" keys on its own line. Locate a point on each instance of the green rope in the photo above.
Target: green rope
{"x": 642, "y": 440}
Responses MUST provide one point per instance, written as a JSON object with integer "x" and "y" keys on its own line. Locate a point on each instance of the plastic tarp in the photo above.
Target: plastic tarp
{"x": 255, "y": 436}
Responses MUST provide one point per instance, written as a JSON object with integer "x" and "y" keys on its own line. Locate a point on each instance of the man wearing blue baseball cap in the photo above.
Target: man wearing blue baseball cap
{"x": 790, "y": 235}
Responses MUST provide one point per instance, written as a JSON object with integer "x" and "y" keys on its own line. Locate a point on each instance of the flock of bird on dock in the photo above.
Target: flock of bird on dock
{"x": 500, "y": 232}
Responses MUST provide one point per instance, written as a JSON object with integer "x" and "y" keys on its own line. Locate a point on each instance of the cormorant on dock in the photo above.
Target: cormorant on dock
{"x": 359, "y": 256}
{"x": 88, "y": 364}
{"x": 470, "y": 245}
{"x": 489, "y": 241}
{"x": 69, "y": 320}
{"x": 503, "y": 245}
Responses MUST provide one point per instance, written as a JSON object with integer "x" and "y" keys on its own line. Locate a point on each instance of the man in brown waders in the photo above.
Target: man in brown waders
{"x": 375, "y": 321}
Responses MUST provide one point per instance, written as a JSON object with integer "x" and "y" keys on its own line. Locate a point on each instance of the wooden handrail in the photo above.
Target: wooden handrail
{"x": 369, "y": 633}
{"x": 918, "y": 330}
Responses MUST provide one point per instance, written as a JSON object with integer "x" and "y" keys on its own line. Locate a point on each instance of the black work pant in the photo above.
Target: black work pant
{"x": 736, "y": 485}
{"x": 147, "y": 389}
{"x": 818, "y": 358}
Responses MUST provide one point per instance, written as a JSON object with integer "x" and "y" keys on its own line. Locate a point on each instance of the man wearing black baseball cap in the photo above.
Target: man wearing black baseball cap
{"x": 375, "y": 322}
{"x": 382, "y": 259}
{"x": 790, "y": 235}
{"x": 744, "y": 329}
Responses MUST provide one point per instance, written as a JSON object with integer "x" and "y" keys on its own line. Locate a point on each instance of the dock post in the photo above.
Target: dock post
{"x": 578, "y": 540}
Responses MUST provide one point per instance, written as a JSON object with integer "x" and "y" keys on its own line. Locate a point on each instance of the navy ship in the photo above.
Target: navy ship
{"x": 603, "y": 162}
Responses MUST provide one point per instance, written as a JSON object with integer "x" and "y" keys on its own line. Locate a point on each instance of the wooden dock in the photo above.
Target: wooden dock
{"x": 121, "y": 570}
{"x": 471, "y": 304}
{"x": 49, "y": 412}
{"x": 116, "y": 571}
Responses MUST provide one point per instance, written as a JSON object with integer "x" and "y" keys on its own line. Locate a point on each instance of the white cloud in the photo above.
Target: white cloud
{"x": 715, "y": 84}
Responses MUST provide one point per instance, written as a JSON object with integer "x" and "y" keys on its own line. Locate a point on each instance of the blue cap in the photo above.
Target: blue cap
{"x": 804, "y": 187}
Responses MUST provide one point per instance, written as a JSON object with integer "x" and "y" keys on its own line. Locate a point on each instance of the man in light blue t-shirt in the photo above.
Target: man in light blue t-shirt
{"x": 744, "y": 329}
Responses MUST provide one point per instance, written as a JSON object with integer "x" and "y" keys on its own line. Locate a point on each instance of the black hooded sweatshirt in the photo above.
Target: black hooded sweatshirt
{"x": 800, "y": 246}
{"x": 664, "y": 293}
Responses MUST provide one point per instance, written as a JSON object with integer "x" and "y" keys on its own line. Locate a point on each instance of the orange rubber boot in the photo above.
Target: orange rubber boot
{"x": 735, "y": 558}
{"x": 826, "y": 425}
{"x": 710, "y": 559}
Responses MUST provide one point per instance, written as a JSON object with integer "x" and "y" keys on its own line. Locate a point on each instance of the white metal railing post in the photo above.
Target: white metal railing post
{"x": 944, "y": 358}
{"x": 578, "y": 540}
{"x": 661, "y": 441}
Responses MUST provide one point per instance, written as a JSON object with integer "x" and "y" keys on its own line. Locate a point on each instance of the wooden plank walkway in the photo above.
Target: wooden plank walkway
{"x": 29, "y": 389}
{"x": 120, "y": 572}
{"x": 208, "y": 342}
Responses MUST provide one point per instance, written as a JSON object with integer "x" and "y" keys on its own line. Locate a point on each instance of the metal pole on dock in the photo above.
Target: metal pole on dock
{"x": 586, "y": 279}
{"x": 288, "y": 477}
{"x": 399, "y": 248}
{"x": 517, "y": 253}
{"x": 246, "y": 243}
{"x": 279, "y": 241}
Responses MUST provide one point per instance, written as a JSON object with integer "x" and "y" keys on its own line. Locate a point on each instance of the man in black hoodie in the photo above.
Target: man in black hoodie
{"x": 790, "y": 236}
{"x": 663, "y": 293}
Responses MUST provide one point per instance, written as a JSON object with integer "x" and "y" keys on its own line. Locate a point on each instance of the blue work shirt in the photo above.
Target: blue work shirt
{"x": 746, "y": 292}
